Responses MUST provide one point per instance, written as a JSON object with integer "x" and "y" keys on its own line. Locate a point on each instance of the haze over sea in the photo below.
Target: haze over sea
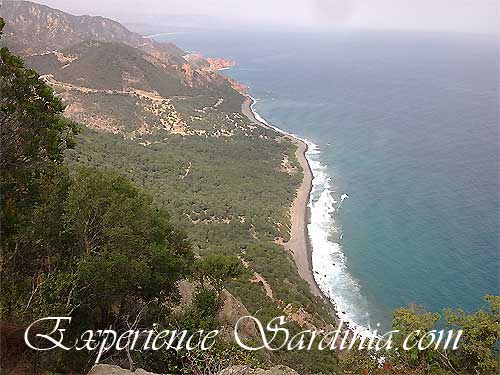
{"x": 406, "y": 124}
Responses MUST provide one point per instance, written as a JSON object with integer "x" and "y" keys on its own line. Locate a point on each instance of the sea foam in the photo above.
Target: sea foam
{"x": 328, "y": 259}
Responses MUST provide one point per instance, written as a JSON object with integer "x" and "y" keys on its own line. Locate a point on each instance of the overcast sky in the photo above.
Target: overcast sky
{"x": 481, "y": 16}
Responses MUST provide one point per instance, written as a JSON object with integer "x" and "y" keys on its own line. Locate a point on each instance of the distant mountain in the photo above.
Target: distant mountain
{"x": 117, "y": 88}
{"x": 89, "y": 58}
{"x": 115, "y": 80}
{"x": 34, "y": 28}
{"x": 112, "y": 66}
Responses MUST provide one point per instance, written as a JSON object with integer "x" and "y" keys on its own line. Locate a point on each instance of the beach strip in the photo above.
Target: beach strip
{"x": 298, "y": 245}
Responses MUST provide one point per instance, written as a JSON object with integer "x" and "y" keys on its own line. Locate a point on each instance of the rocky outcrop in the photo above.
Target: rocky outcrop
{"x": 219, "y": 64}
{"x": 232, "y": 310}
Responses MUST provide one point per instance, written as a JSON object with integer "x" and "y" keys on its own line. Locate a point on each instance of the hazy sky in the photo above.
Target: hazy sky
{"x": 435, "y": 15}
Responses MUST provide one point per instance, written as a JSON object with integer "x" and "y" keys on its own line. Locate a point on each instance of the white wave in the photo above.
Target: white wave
{"x": 343, "y": 197}
{"x": 328, "y": 260}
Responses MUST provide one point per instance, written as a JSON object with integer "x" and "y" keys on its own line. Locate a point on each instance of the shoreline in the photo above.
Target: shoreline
{"x": 299, "y": 243}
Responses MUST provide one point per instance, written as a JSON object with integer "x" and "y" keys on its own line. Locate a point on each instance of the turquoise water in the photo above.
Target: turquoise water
{"x": 408, "y": 126}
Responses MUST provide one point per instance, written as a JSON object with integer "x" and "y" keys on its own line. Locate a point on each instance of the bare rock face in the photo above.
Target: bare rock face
{"x": 220, "y": 63}
{"x": 230, "y": 313}
{"x": 245, "y": 370}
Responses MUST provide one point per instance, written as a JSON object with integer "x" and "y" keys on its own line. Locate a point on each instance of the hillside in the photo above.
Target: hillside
{"x": 119, "y": 89}
{"x": 177, "y": 131}
{"x": 122, "y": 66}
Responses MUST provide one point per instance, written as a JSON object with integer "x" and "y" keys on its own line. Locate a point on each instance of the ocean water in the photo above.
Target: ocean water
{"x": 404, "y": 131}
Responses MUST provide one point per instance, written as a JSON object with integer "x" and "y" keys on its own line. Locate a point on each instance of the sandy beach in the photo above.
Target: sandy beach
{"x": 298, "y": 245}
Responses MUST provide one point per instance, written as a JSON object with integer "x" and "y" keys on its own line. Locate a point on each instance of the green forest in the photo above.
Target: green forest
{"x": 102, "y": 228}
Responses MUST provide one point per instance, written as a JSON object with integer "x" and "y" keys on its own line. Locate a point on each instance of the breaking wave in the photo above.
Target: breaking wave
{"x": 328, "y": 260}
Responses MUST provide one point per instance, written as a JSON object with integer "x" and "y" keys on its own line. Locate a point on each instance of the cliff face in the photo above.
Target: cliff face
{"x": 220, "y": 63}
{"x": 208, "y": 64}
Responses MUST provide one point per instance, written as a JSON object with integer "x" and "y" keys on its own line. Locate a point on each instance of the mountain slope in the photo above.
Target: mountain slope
{"x": 120, "y": 66}
{"x": 117, "y": 88}
{"x": 39, "y": 29}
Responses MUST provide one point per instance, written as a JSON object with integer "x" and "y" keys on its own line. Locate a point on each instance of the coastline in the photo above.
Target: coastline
{"x": 299, "y": 244}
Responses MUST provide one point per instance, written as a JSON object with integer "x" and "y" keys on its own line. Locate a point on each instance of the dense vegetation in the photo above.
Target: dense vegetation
{"x": 229, "y": 203}
{"x": 83, "y": 242}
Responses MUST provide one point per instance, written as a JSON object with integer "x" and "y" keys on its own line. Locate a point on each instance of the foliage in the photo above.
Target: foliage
{"x": 414, "y": 323}
{"x": 99, "y": 251}
{"x": 216, "y": 268}
{"x": 33, "y": 138}
{"x": 477, "y": 351}
{"x": 78, "y": 241}
{"x": 197, "y": 362}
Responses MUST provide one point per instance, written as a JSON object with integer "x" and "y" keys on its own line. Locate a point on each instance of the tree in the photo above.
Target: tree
{"x": 75, "y": 241}
{"x": 33, "y": 137}
{"x": 477, "y": 352}
{"x": 119, "y": 231}
{"x": 216, "y": 268}
{"x": 111, "y": 250}
{"x": 33, "y": 129}
{"x": 479, "y": 349}
{"x": 414, "y": 322}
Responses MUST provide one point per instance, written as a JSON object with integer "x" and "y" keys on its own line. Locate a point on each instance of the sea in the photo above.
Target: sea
{"x": 403, "y": 133}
